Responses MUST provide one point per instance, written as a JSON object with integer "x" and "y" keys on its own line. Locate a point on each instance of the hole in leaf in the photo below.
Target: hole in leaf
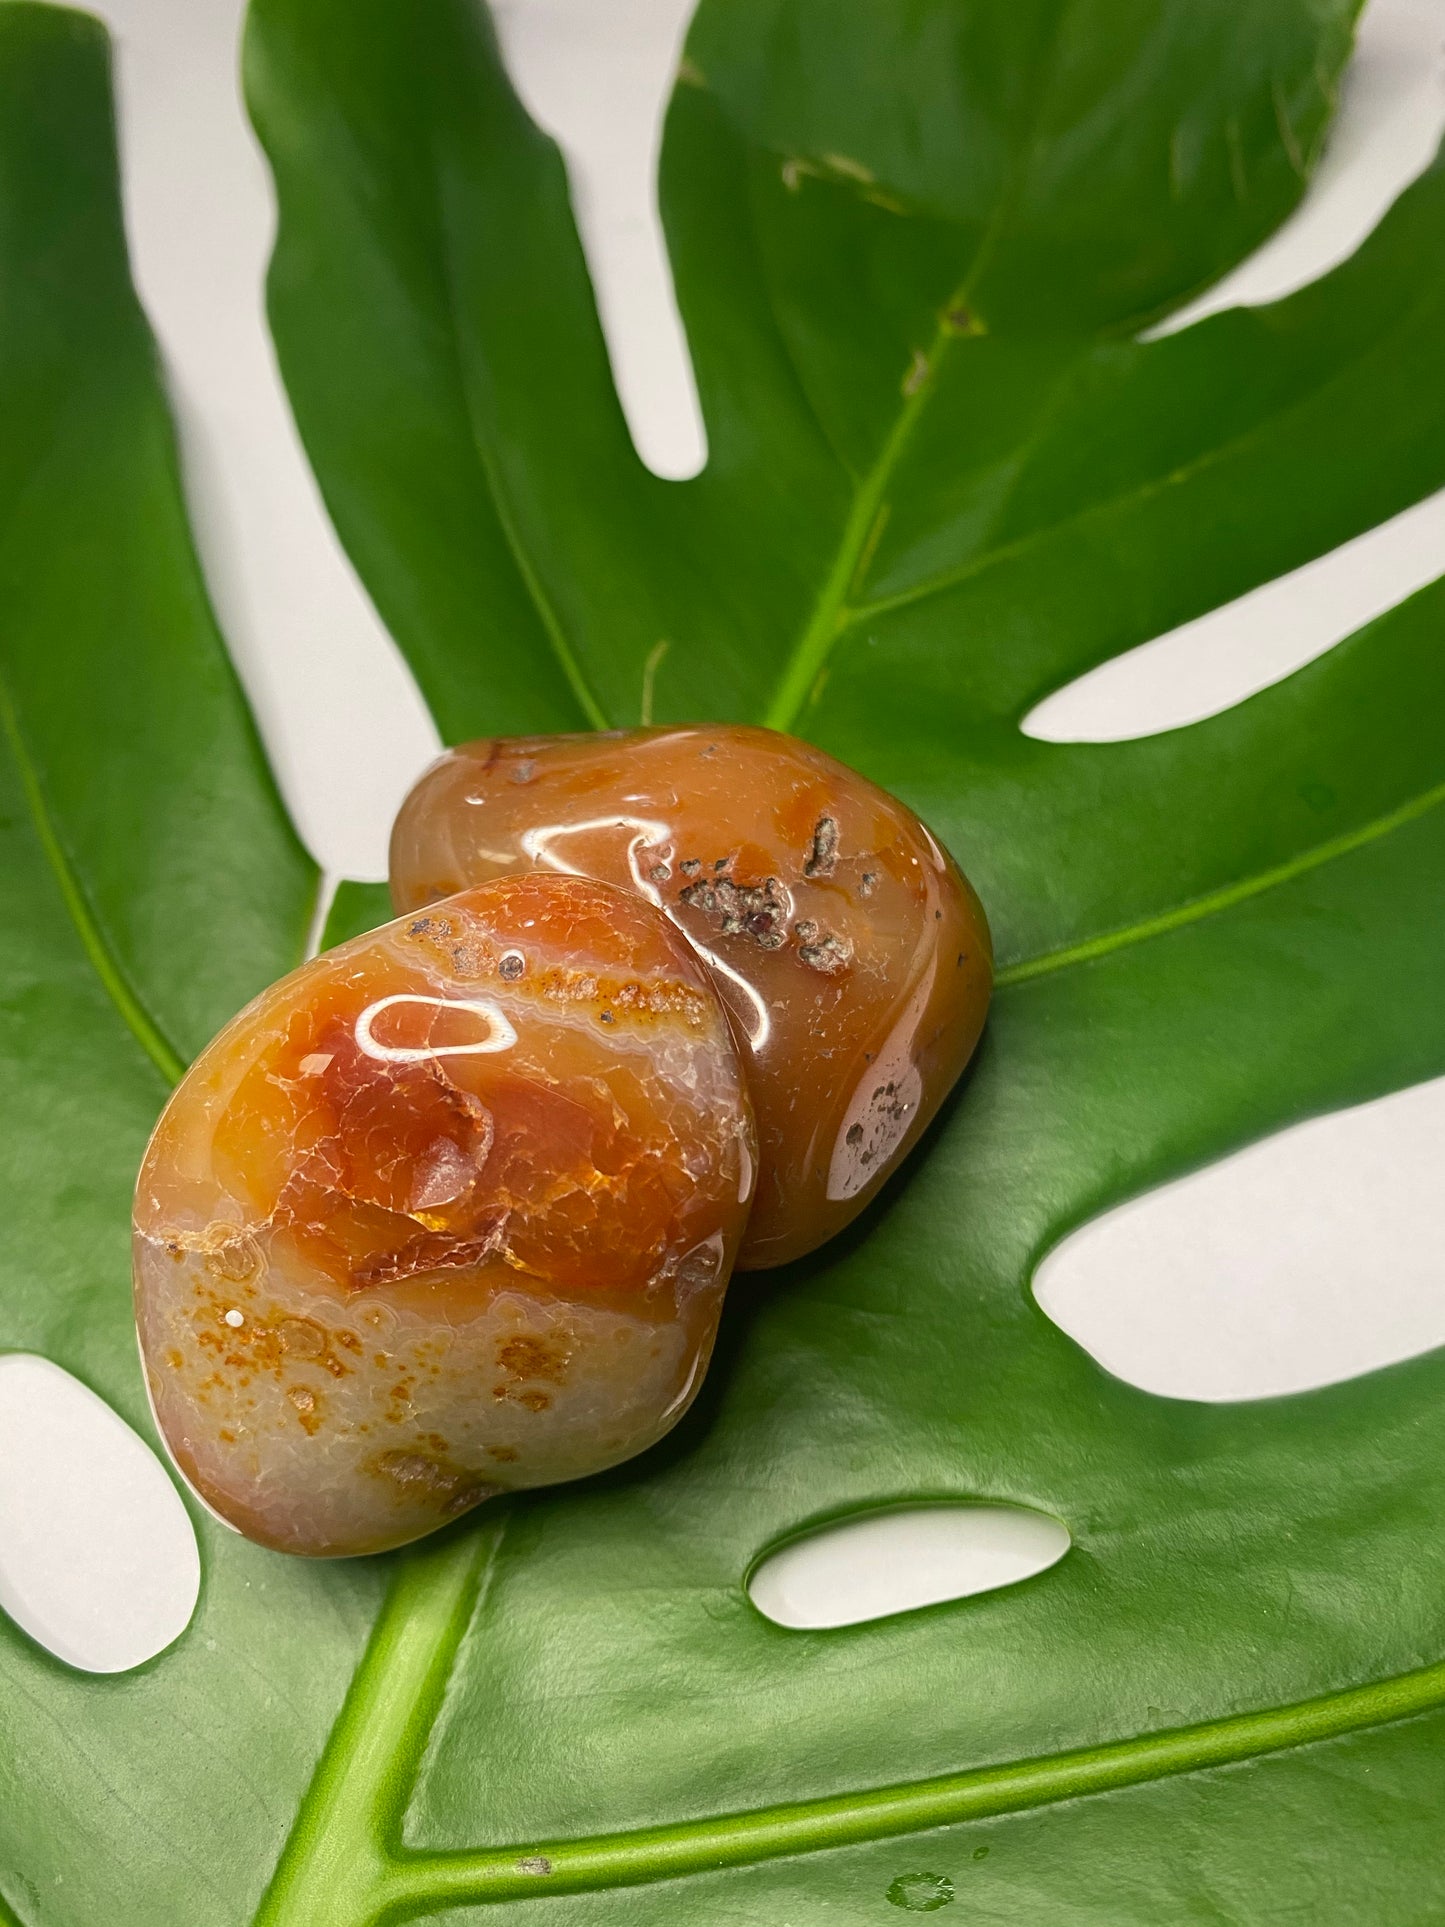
{"x": 896, "y": 1561}
{"x": 98, "y": 1558}
{"x": 597, "y": 79}
{"x": 1305, "y": 1260}
{"x": 345, "y": 727}
{"x": 1208, "y": 665}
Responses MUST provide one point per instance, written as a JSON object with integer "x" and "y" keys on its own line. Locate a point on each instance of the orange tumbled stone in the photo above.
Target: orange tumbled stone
{"x": 851, "y": 953}
{"x": 449, "y": 1210}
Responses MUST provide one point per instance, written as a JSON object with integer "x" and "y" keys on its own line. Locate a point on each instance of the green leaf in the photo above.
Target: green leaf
{"x": 913, "y": 247}
{"x": 151, "y": 884}
{"x": 354, "y": 909}
{"x": 434, "y": 318}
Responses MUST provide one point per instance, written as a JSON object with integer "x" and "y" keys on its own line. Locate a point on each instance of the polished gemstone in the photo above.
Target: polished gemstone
{"x": 852, "y": 955}
{"x": 450, "y": 1209}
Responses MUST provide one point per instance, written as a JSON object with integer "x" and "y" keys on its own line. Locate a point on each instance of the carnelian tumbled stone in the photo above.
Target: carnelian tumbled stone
{"x": 852, "y": 956}
{"x": 450, "y": 1209}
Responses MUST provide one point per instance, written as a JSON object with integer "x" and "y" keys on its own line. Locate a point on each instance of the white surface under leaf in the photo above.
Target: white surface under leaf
{"x": 1207, "y": 666}
{"x": 1311, "y": 1257}
{"x": 98, "y": 1557}
{"x": 895, "y": 1562}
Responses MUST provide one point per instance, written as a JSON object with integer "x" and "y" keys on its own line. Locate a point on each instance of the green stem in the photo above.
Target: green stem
{"x": 831, "y": 614}
{"x": 344, "y": 1864}
{"x": 342, "y": 1851}
{"x": 419, "y": 1883}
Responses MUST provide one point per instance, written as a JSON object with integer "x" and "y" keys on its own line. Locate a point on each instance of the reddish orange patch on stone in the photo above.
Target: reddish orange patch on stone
{"x": 470, "y": 1136}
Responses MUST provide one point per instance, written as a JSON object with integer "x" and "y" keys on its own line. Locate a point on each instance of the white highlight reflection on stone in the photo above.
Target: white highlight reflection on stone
{"x": 1307, "y": 1259}
{"x": 98, "y": 1557}
{"x": 541, "y": 842}
{"x": 500, "y": 1034}
{"x": 649, "y": 839}
{"x": 896, "y": 1561}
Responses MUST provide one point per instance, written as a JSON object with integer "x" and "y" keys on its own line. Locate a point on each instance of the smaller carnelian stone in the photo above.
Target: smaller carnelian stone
{"x": 449, "y": 1210}
{"x": 850, "y": 952}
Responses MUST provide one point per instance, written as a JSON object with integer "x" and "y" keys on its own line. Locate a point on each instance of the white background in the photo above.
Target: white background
{"x": 1305, "y": 1260}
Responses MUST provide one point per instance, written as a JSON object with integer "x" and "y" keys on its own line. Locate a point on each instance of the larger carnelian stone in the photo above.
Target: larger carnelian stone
{"x": 852, "y": 955}
{"x": 448, "y": 1210}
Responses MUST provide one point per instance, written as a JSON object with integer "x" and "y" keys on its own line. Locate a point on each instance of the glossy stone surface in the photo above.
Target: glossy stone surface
{"x": 852, "y": 955}
{"x": 451, "y": 1209}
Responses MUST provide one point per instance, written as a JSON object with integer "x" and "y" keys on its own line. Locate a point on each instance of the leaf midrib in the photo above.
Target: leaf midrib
{"x": 421, "y": 1881}
{"x": 827, "y": 619}
{"x": 834, "y": 616}
{"x": 345, "y": 1865}
{"x": 830, "y": 614}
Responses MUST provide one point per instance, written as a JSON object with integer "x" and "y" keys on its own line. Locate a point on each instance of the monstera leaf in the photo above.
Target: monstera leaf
{"x": 914, "y": 247}
{"x": 150, "y": 884}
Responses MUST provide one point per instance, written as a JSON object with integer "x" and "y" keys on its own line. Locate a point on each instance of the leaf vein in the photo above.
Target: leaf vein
{"x": 831, "y": 614}
{"x": 419, "y": 1882}
{"x": 1223, "y": 899}
{"x": 94, "y": 942}
{"x": 1265, "y": 428}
